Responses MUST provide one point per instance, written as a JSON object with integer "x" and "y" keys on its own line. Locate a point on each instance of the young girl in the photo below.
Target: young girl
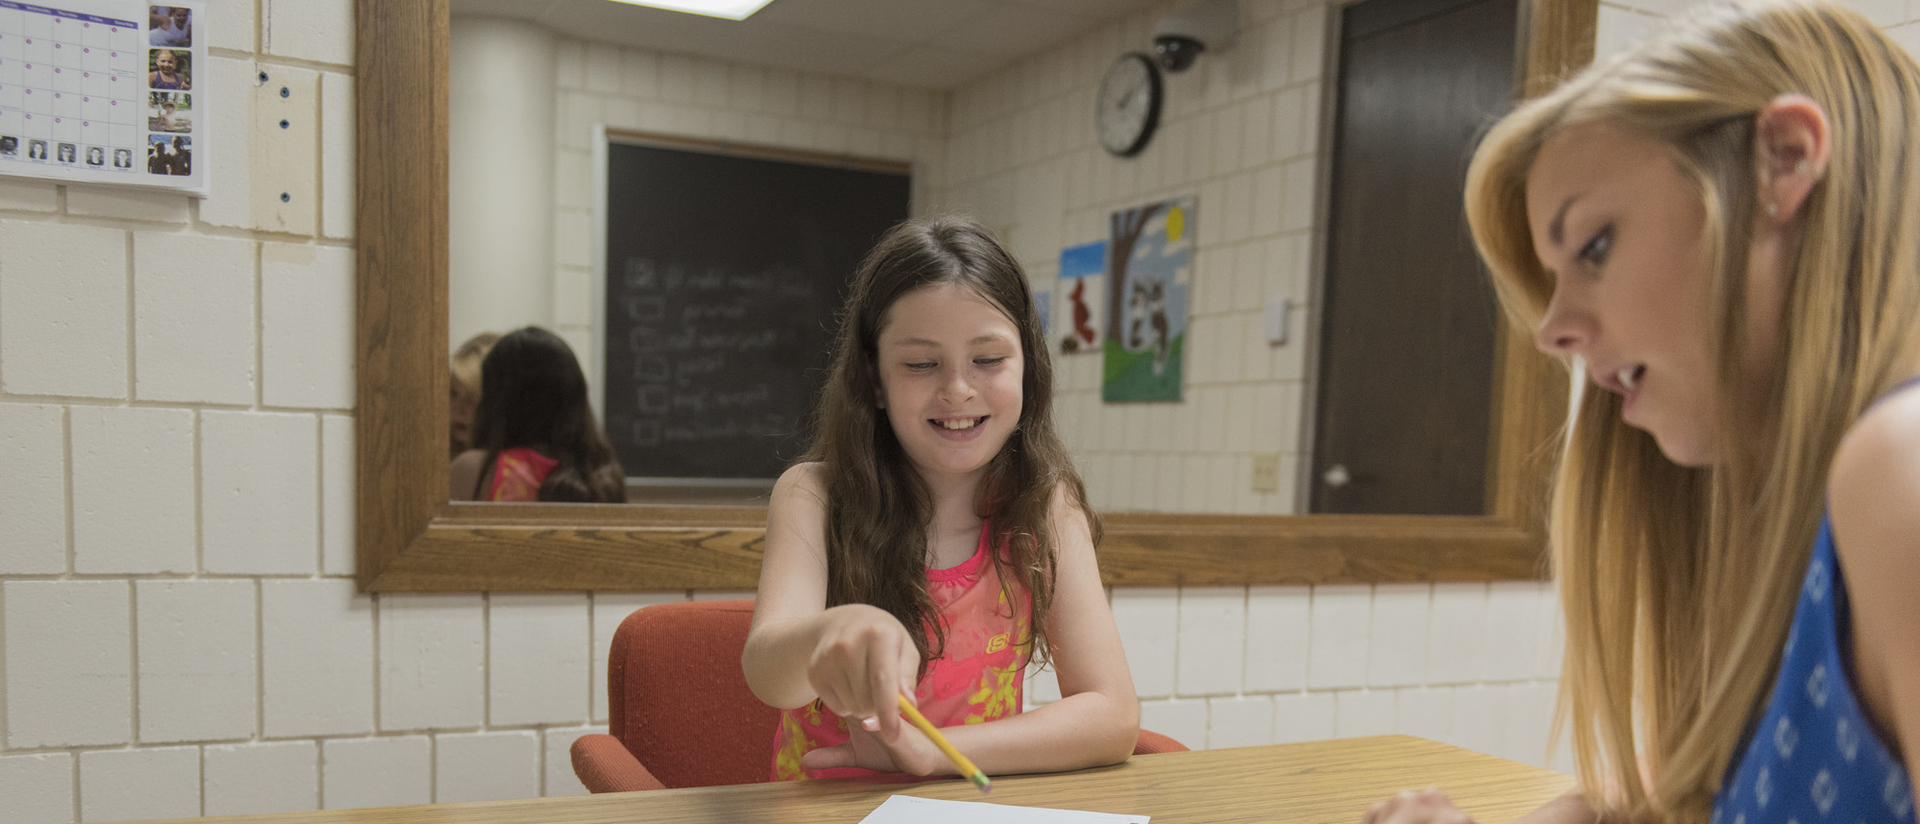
{"x": 936, "y": 539}
{"x": 1720, "y": 225}
{"x": 534, "y": 436}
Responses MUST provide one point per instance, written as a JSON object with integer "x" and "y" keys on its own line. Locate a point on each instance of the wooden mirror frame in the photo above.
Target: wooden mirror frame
{"x": 411, "y": 538}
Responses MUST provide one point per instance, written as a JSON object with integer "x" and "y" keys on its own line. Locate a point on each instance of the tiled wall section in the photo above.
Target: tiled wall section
{"x": 179, "y": 634}
{"x": 1241, "y": 133}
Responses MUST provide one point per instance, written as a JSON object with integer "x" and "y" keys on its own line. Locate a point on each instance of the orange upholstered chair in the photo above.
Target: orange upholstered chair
{"x": 678, "y": 701}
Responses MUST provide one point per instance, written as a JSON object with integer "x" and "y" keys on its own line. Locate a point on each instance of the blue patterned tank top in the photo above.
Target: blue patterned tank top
{"x": 1814, "y": 758}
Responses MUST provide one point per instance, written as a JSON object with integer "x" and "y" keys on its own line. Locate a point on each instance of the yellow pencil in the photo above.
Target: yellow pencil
{"x": 960, "y": 762}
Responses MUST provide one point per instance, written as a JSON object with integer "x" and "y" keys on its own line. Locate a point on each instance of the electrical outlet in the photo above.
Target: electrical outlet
{"x": 1266, "y": 473}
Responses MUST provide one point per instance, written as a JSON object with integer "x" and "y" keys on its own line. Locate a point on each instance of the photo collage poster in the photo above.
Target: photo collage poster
{"x": 102, "y": 91}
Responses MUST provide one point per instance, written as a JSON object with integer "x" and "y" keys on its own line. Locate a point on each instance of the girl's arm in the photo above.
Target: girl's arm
{"x": 1874, "y": 495}
{"x": 1095, "y": 722}
{"x": 855, "y": 658}
{"x": 464, "y": 474}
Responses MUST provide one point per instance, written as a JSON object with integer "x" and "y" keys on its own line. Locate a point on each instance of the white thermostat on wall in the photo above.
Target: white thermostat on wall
{"x": 1276, "y": 320}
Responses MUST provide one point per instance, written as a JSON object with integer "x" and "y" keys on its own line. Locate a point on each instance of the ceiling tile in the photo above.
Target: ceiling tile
{"x": 930, "y": 67}
{"x": 907, "y": 22}
{"x": 922, "y": 43}
{"x": 1099, "y": 10}
{"x": 1014, "y": 31}
{"x": 518, "y": 9}
{"x": 752, "y": 41}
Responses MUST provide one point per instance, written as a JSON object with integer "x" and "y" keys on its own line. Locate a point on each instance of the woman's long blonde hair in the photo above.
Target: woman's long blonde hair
{"x": 1678, "y": 584}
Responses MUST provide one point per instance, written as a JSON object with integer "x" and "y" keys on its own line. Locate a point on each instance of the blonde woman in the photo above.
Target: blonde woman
{"x": 1723, "y": 226}
{"x": 463, "y": 384}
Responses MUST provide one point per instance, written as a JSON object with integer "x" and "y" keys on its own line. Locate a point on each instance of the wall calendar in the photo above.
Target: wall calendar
{"x": 103, "y": 91}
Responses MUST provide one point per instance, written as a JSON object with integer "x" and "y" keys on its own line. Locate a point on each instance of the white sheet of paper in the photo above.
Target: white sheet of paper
{"x": 907, "y": 809}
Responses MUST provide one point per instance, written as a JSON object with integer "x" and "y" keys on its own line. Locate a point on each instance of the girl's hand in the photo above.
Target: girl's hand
{"x": 1428, "y": 806}
{"x": 906, "y": 751}
{"x": 862, "y": 663}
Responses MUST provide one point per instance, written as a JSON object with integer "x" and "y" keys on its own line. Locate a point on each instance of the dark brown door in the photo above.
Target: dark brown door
{"x": 1407, "y": 332}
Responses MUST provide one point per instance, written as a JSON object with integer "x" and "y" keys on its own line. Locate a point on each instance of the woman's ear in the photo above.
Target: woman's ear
{"x": 1791, "y": 147}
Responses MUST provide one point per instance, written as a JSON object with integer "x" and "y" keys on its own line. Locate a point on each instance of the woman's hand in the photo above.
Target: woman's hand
{"x": 864, "y": 660}
{"x": 1428, "y": 806}
{"x": 906, "y": 751}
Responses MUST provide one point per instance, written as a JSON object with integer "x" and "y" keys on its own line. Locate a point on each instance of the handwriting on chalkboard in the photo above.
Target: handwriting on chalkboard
{"x": 723, "y": 274}
{"x": 689, "y": 326}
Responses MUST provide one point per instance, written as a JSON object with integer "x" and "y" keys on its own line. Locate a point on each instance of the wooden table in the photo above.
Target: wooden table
{"x": 1321, "y": 782}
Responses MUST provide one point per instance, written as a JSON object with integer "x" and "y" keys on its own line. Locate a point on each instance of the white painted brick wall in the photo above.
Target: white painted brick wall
{"x": 1363, "y": 712}
{"x": 63, "y": 310}
{"x": 259, "y": 493}
{"x": 231, "y": 125}
{"x": 162, "y": 782}
{"x": 486, "y": 766}
{"x": 376, "y": 772}
{"x": 38, "y": 788}
{"x": 1303, "y": 716}
{"x": 33, "y": 500}
{"x": 337, "y": 492}
{"x": 317, "y": 661}
{"x": 133, "y": 504}
{"x": 257, "y": 779}
{"x": 337, "y": 145}
{"x": 539, "y": 645}
{"x": 1212, "y": 638}
{"x": 1149, "y": 620}
{"x": 1240, "y": 721}
{"x": 1337, "y": 657}
{"x": 68, "y": 657}
{"x": 1277, "y": 638}
{"x": 193, "y": 318}
{"x": 1398, "y": 653}
{"x": 196, "y": 662}
{"x": 317, "y": 30}
{"x": 432, "y": 661}
{"x": 306, "y": 303}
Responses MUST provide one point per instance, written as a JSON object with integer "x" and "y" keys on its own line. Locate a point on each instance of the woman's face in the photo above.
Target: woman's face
{"x": 950, "y": 369}
{"x": 1619, "y": 229}
{"x": 460, "y": 406}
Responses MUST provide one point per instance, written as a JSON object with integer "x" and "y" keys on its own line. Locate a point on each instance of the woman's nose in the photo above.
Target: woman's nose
{"x": 1563, "y": 331}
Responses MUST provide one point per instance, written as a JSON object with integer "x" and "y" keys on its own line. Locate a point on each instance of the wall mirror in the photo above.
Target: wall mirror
{"x": 412, "y": 539}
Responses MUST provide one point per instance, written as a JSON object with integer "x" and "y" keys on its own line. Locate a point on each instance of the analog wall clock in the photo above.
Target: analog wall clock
{"x": 1129, "y": 105}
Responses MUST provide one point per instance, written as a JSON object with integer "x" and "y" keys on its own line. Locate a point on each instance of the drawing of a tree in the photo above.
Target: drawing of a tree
{"x": 1127, "y": 227}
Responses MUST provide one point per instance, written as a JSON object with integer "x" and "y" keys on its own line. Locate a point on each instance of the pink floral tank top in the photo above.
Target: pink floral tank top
{"x": 518, "y": 474}
{"x": 977, "y": 678}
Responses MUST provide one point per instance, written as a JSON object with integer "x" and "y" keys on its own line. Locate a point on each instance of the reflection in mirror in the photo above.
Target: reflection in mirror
{"x": 990, "y": 122}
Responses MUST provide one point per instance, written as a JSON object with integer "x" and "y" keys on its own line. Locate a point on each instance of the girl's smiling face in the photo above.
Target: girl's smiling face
{"x": 950, "y": 369}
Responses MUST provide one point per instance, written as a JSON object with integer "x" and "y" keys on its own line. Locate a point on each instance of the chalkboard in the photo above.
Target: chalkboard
{"x": 724, "y": 274}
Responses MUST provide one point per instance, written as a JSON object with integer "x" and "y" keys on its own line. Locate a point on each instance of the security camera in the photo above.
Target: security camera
{"x": 1180, "y": 37}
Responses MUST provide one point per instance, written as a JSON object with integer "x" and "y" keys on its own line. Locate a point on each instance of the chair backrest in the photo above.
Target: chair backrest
{"x": 678, "y": 699}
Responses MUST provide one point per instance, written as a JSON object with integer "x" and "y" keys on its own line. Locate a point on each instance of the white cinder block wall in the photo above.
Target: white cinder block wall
{"x": 179, "y": 632}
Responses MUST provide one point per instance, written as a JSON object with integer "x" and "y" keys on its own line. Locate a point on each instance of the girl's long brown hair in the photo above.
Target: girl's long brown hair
{"x": 878, "y": 508}
{"x": 1678, "y": 583}
{"x": 534, "y": 394}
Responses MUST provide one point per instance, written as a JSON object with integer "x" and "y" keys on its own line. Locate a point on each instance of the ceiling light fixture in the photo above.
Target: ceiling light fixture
{"x": 729, "y": 9}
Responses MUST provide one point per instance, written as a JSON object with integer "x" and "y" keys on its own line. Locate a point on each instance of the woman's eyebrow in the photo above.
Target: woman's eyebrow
{"x": 1557, "y": 229}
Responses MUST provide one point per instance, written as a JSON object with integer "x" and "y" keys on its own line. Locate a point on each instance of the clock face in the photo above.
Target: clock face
{"x": 1129, "y": 104}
